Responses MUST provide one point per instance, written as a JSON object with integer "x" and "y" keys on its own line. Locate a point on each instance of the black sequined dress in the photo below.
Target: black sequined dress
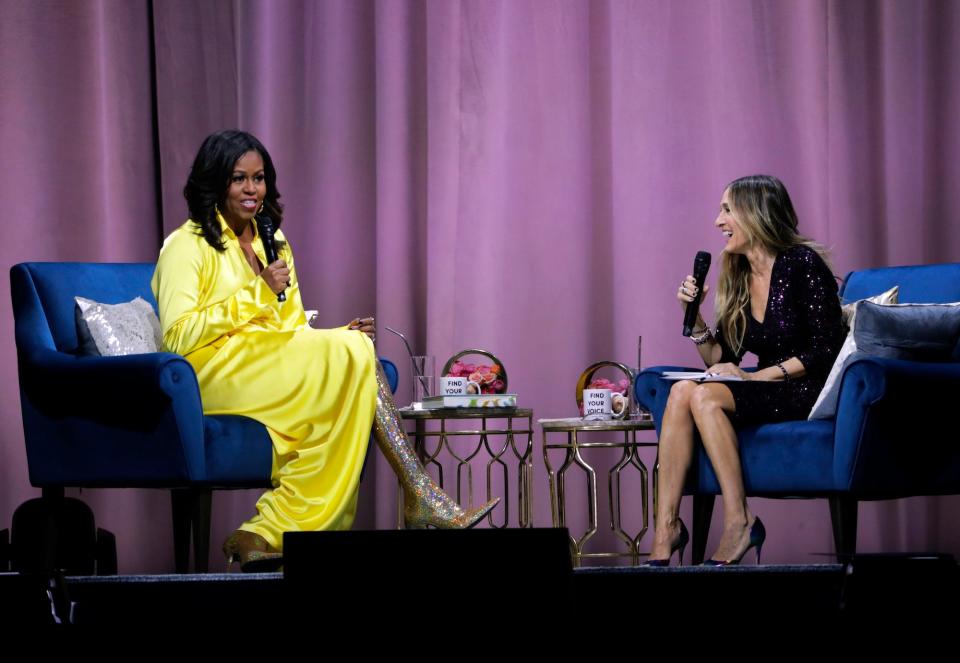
{"x": 802, "y": 320}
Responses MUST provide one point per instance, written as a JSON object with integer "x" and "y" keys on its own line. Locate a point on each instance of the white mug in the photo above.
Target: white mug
{"x": 596, "y": 402}
{"x": 619, "y": 404}
{"x": 450, "y": 386}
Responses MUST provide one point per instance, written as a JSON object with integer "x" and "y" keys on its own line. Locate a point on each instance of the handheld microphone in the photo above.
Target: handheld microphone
{"x": 265, "y": 225}
{"x": 701, "y": 265}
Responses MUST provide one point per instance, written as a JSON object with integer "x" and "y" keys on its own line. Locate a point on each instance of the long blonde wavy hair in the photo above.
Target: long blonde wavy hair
{"x": 763, "y": 208}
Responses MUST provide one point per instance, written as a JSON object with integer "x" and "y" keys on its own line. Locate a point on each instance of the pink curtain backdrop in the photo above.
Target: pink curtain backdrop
{"x": 529, "y": 177}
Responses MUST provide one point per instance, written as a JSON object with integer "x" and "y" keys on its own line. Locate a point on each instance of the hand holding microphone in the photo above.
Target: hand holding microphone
{"x": 276, "y": 273}
{"x": 689, "y": 290}
{"x": 277, "y": 276}
{"x": 691, "y": 293}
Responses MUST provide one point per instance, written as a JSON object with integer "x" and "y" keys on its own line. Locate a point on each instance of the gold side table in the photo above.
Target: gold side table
{"x": 571, "y": 429}
{"x": 507, "y": 442}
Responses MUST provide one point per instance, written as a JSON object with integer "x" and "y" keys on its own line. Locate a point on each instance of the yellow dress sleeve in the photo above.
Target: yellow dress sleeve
{"x": 186, "y": 282}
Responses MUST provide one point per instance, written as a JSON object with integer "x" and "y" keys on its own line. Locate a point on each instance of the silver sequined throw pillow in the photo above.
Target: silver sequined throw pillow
{"x": 119, "y": 329}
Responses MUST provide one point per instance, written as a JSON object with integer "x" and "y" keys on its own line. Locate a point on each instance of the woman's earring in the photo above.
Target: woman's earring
{"x": 260, "y": 211}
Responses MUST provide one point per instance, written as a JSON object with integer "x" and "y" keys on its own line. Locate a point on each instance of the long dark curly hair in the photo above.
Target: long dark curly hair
{"x": 209, "y": 181}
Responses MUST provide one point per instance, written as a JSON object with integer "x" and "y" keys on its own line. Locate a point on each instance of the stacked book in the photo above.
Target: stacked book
{"x": 469, "y": 400}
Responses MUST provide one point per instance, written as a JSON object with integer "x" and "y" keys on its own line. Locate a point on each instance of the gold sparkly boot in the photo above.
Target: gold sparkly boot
{"x": 251, "y": 552}
{"x": 425, "y": 502}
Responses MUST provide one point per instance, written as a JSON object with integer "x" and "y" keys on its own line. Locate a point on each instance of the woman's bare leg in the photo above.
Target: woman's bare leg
{"x": 674, "y": 457}
{"x": 709, "y": 405}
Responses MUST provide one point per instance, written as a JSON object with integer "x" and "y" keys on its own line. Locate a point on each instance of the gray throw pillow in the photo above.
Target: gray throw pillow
{"x": 826, "y": 405}
{"x": 117, "y": 329}
{"x": 919, "y": 332}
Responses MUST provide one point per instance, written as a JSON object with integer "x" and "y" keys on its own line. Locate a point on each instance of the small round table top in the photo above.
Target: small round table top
{"x": 466, "y": 412}
{"x": 581, "y": 424}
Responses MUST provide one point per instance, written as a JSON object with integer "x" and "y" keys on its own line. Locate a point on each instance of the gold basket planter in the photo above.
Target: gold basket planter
{"x": 587, "y": 377}
{"x": 497, "y": 384}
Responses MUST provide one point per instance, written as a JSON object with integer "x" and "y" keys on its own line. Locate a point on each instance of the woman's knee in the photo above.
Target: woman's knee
{"x": 680, "y": 395}
{"x": 704, "y": 400}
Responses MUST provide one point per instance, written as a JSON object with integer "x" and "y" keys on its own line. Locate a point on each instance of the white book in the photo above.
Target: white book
{"x": 700, "y": 376}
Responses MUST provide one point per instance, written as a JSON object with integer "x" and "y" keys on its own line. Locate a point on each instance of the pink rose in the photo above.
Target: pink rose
{"x": 469, "y": 368}
{"x": 456, "y": 370}
{"x": 475, "y": 377}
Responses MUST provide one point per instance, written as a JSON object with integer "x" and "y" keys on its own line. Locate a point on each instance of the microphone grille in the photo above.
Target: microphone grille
{"x": 265, "y": 224}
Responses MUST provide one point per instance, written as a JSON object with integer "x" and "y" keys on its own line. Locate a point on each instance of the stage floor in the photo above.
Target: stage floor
{"x": 795, "y": 596}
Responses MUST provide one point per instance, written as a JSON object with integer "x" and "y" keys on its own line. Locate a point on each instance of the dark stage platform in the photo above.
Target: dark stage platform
{"x": 507, "y": 577}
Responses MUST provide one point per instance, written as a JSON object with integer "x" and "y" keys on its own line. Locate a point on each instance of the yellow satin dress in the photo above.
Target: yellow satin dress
{"x": 315, "y": 390}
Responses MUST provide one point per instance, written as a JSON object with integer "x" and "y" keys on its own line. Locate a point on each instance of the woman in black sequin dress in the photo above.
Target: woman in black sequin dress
{"x": 776, "y": 298}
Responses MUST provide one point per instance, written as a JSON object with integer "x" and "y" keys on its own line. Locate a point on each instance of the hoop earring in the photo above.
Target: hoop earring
{"x": 260, "y": 210}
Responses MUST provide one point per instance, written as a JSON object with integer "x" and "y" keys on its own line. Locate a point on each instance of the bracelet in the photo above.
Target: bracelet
{"x": 786, "y": 376}
{"x": 703, "y": 337}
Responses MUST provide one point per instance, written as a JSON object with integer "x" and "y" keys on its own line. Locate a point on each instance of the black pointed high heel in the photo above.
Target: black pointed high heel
{"x": 680, "y": 544}
{"x": 758, "y": 534}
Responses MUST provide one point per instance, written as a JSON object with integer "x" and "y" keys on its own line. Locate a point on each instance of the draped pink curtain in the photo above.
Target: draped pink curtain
{"x": 530, "y": 177}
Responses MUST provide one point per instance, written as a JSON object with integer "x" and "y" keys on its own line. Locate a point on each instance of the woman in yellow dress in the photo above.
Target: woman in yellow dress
{"x": 319, "y": 392}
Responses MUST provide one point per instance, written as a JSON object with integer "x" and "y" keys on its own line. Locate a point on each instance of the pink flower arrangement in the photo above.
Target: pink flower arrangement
{"x": 603, "y": 383}
{"x": 485, "y": 375}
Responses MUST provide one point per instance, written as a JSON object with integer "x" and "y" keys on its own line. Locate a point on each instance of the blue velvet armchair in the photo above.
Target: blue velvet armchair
{"x": 128, "y": 422}
{"x": 894, "y": 434}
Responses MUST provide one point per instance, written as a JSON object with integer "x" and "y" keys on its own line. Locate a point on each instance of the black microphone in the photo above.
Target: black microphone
{"x": 701, "y": 265}
{"x": 265, "y": 224}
